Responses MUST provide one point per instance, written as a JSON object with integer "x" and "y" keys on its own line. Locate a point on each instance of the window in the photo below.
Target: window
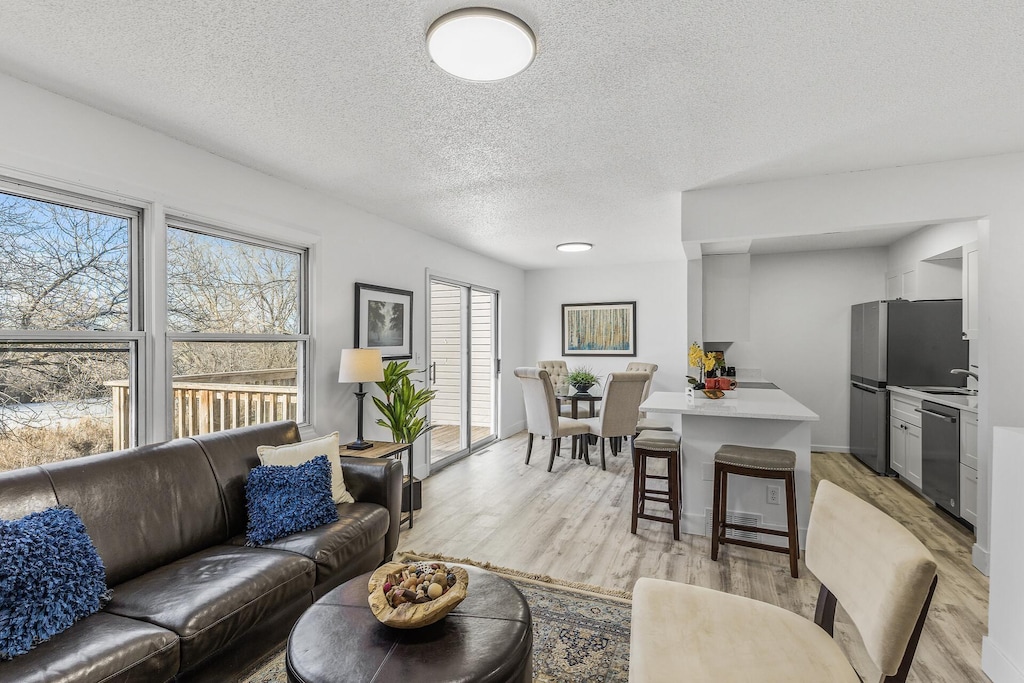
{"x": 70, "y": 329}
{"x": 237, "y": 330}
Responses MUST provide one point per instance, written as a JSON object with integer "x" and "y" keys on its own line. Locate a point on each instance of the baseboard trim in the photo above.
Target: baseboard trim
{"x": 513, "y": 429}
{"x": 996, "y": 665}
{"x": 980, "y": 558}
{"x": 824, "y": 448}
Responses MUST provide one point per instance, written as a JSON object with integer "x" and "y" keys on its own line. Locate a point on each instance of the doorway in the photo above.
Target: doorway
{"x": 463, "y": 368}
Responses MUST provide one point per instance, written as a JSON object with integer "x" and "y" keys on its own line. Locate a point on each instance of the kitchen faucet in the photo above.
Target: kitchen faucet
{"x": 959, "y": 371}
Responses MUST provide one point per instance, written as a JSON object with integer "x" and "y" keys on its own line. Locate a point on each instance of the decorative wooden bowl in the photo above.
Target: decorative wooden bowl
{"x": 413, "y": 615}
{"x": 713, "y": 393}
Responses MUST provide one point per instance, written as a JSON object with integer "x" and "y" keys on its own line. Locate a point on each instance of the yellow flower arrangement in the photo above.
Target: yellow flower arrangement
{"x": 704, "y": 361}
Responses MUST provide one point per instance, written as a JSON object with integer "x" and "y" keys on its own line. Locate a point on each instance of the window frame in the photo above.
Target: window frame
{"x": 302, "y": 338}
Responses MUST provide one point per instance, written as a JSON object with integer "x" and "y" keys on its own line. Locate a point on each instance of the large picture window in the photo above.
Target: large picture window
{"x": 237, "y": 329}
{"x": 69, "y": 326}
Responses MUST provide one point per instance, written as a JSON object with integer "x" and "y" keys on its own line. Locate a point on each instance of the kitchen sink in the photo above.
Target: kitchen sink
{"x": 946, "y": 391}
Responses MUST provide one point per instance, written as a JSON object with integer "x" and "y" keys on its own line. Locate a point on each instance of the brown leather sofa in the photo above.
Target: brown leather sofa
{"x": 190, "y": 600}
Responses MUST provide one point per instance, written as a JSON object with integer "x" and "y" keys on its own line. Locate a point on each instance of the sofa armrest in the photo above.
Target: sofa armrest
{"x": 377, "y": 480}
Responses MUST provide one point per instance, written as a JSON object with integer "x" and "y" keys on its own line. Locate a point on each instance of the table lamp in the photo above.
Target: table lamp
{"x": 360, "y": 365}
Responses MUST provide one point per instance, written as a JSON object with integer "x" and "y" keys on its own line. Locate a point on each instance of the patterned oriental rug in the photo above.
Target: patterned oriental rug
{"x": 580, "y": 632}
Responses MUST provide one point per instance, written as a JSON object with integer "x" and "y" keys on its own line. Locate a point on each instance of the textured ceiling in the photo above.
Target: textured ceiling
{"x": 626, "y": 105}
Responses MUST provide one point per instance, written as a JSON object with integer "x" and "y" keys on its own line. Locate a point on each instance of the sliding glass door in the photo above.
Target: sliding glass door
{"x": 463, "y": 321}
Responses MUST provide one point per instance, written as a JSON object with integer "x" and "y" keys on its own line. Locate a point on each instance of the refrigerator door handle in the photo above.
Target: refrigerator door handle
{"x": 865, "y": 387}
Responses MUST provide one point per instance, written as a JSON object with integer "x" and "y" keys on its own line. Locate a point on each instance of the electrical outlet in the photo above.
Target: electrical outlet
{"x": 774, "y": 493}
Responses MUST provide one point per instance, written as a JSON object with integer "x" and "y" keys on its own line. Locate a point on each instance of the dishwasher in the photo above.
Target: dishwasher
{"x": 940, "y": 455}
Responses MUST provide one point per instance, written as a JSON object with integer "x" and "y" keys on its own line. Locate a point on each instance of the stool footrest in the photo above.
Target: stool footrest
{"x": 655, "y": 518}
{"x": 755, "y": 529}
{"x": 753, "y": 544}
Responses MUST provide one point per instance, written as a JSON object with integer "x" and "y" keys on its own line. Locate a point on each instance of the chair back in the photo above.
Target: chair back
{"x": 879, "y": 572}
{"x": 650, "y": 369}
{"x": 622, "y": 396}
{"x": 558, "y": 372}
{"x": 541, "y": 406}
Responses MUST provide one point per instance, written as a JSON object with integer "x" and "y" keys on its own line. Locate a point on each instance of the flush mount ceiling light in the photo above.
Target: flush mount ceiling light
{"x": 575, "y": 246}
{"x": 481, "y": 44}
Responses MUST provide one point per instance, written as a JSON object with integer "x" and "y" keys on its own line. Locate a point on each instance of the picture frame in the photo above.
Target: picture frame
{"x": 599, "y": 329}
{"x": 384, "y": 320}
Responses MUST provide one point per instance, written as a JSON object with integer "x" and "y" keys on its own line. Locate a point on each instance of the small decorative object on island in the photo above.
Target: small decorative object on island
{"x": 582, "y": 378}
{"x": 706, "y": 363}
{"x": 415, "y": 595}
{"x": 402, "y": 403}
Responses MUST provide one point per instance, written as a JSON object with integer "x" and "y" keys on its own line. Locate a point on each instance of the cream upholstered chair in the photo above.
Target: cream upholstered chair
{"x": 542, "y": 412}
{"x": 622, "y": 395}
{"x": 877, "y": 570}
{"x": 643, "y": 422}
{"x": 558, "y": 373}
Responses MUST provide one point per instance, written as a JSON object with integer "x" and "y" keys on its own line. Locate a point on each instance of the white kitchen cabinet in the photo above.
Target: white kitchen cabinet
{"x": 902, "y": 283}
{"x": 893, "y": 286}
{"x": 905, "y": 438}
{"x": 968, "y": 494}
{"x": 726, "y": 284}
{"x": 898, "y": 447}
{"x": 970, "y": 290}
{"x": 913, "y": 446}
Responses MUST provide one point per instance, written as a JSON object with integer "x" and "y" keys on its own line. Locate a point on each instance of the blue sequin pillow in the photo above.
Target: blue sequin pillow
{"x": 284, "y": 499}
{"x": 50, "y": 577}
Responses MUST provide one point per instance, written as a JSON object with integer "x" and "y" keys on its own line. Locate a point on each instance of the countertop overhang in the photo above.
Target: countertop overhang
{"x": 758, "y": 404}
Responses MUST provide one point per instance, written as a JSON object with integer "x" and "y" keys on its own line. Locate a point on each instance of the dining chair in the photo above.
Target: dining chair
{"x": 558, "y": 373}
{"x": 867, "y": 562}
{"x": 643, "y": 421}
{"x": 542, "y": 412}
{"x": 622, "y": 395}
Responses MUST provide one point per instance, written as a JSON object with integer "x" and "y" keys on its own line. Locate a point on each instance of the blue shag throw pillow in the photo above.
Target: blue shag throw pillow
{"x": 50, "y": 577}
{"x": 283, "y": 499}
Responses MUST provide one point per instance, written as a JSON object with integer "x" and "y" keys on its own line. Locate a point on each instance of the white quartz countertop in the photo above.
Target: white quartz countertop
{"x": 759, "y": 404}
{"x": 969, "y": 403}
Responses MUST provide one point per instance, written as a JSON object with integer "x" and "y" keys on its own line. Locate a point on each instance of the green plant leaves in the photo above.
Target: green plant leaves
{"x": 402, "y": 403}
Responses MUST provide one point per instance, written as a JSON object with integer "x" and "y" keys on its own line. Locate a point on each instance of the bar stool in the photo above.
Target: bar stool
{"x": 764, "y": 463}
{"x": 657, "y": 445}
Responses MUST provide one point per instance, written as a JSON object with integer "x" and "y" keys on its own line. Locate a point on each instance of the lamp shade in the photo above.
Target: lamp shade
{"x": 360, "y": 365}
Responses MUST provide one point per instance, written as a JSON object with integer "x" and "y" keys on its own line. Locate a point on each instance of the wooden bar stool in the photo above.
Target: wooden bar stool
{"x": 657, "y": 445}
{"x": 764, "y": 463}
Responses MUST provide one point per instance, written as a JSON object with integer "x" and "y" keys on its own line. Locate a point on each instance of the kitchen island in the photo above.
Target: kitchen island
{"x": 766, "y": 418}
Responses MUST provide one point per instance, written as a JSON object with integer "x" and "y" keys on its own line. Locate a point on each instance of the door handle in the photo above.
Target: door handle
{"x": 944, "y": 418}
{"x": 433, "y": 373}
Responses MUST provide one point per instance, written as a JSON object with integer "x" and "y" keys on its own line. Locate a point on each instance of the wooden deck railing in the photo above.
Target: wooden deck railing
{"x": 216, "y": 401}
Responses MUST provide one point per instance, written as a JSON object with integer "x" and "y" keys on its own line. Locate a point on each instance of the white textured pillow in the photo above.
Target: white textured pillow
{"x": 298, "y": 453}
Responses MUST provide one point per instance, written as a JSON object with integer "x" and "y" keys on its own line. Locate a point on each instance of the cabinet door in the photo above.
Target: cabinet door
{"x": 893, "y": 286}
{"x": 898, "y": 447}
{"x": 970, "y": 287}
{"x": 969, "y": 494}
{"x": 913, "y": 463}
{"x": 908, "y": 278}
{"x": 969, "y": 439}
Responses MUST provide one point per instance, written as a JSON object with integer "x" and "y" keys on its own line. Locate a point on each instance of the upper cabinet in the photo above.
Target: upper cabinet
{"x": 969, "y": 283}
{"x": 726, "y": 285}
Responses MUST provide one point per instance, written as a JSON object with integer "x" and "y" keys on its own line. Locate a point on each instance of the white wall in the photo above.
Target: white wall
{"x": 52, "y": 140}
{"x": 931, "y": 241}
{"x": 985, "y": 188}
{"x": 800, "y": 329}
{"x": 659, "y": 290}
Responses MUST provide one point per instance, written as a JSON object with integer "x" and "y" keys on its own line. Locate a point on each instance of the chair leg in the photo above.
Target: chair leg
{"x": 529, "y": 447}
{"x": 638, "y": 478}
{"x": 674, "y": 493}
{"x": 716, "y": 511}
{"x": 723, "y": 514}
{"x": 585, "y": 445}
{"x": 794, "y": 531}
{"x": 554, "y": 449}
{"x": 602, "y": 452}
{"x": 575, "y": 440}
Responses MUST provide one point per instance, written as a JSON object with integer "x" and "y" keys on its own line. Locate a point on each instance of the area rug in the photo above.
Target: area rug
{"x": 580, "y": 632}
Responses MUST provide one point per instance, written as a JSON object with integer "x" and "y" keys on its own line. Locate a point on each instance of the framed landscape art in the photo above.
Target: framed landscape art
{"x": 605, "y": 329}
{"x": 384, "y": 320}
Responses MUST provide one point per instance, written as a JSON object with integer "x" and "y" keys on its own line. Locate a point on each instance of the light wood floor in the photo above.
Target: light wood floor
{"x": 573, "y": 524}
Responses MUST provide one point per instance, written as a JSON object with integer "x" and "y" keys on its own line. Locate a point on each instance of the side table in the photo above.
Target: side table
{"x": 390, "y": 449}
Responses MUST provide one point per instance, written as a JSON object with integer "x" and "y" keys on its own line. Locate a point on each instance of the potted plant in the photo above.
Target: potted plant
{"x": 582, "y": 378}
{"x": 402, "y": 402}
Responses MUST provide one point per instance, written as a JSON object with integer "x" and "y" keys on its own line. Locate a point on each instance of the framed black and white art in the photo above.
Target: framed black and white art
{"x": 384, "y": 320}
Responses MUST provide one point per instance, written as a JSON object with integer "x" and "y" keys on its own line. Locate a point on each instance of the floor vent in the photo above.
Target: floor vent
{"x": 735, "y": 518}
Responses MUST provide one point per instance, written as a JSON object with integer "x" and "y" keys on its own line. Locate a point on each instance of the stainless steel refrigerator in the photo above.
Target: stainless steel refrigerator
{"x": 899, "y": 343}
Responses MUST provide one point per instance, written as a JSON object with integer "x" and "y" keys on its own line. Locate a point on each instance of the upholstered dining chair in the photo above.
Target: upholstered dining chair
{"x": 643, "y": 421}
{"x": 881, "y": 574}
{"x": 558, "y": 373}
{"x": 622, "y": 395}
{"x": 542, "y": 412}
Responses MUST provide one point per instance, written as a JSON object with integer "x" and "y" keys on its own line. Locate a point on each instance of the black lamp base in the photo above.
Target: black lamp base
{"x": 359, "y": 445}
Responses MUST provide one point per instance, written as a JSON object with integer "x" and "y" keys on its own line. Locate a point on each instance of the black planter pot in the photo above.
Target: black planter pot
{"x": 583, "y": 387}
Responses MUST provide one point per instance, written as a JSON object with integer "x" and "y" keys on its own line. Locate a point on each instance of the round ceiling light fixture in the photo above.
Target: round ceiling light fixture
{"x": 481, "y": 44}
{"x": 575, "y": 246}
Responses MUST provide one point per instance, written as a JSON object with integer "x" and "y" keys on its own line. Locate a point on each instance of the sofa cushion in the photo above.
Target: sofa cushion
{"x": 283, "y": 499}
{"x": 213, "y": 596}
{"x": 298, "y": 453}
{"x": 50, "y": 577}
{"x": 102, "y": 648}
{"x": 144, "y": 507}
{"x": 232, "y": 453}
{"x": 24, "y": 491}
{"x": 332, "y": 546}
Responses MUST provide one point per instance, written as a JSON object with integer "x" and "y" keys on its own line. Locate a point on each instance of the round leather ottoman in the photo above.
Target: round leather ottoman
{"x": 488, "y": 637}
